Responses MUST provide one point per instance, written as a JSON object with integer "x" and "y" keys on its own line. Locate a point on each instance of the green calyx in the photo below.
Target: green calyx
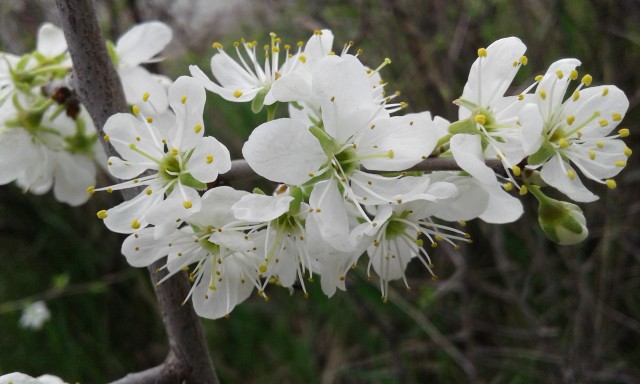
{"x": 170, "y": 170}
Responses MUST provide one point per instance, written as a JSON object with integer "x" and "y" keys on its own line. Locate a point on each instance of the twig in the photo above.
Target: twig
{"x": 100, "y": 91}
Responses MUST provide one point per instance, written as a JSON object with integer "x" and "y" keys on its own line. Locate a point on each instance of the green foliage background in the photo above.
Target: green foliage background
{"x": 511, "y": 308}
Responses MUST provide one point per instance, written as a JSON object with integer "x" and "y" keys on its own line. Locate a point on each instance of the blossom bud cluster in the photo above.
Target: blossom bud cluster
{"x": 346, "y": 165}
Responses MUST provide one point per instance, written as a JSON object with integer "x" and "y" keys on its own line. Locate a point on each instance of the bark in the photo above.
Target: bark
{"x": 98, "y": 87}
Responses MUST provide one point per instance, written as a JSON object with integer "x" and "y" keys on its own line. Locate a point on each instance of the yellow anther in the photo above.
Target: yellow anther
{"x": 523, "y": 190}
{"x": 102, "y": 214}
{"x": 605, "y": 91}
{"x": 587, "y": 79}
{"x": 592, "y": 154}
{"x": 559, "y": 74}
{"x": 300, "y": 43}
{"x": 376, "y": 243}
{"x": 237, "y": 93}
{"x": 149, "y": 119}
{"x": 419, "y": 242}
{"x": 575, "y": 96}
{"x": 616, "y": 116}
{"x": 187, "y": 204}
{"x": 91, "y": 190}
{"x": 482, "y": 52}
{"x": 579, "y": 133}
{"x": 611, "y": 183}
{"x": 132, "y": 146}
{"x": 521, "y": 97}
{"x": 174, "y": 152}
{"x": 462, "y": 223}
{"x": 197, "y": 128}
{"x": 603, "y": 123}
{"x": 145, "y": 96}
{"x": 524, "y": 60}
{"x": 624, "y": 132}
{"x": 138, "y": 138}
{"x": 627, "y": 151}
{"x": 148, "y": 191}
{"x": 209, "y": 159}
{"x": 539, "y": 77}
{"x": 135, "y": 110}
{"x": 620, "y": 163}
{"x": 571, "y": 119}
{"x": 599, "y": 144}
{"x": 516, "y": 170}
{"x": 109, "y": 190}
{"x": 317, "y": 32}
{"x": 183, "y": 99}
{"x": 573, "y": 75}
{"x": 563, "y": 143}
{"x": 302, "y": 58}
{"x": 543, "y": 94}
{"x": 135, "y": 224}
{"x": 216, "y": 45}
{"x": 105, "y": 137}
{"x": 480, "y": 119}
{"x": 571, "y": 173}
{"x": 390, "y": 154}
{"x": 507, "y": 187}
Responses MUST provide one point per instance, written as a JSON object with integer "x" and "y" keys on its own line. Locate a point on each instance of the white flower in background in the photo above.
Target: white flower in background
{"x": 485, "y": 111}
{"x": 350, "y": 135}
{"x": 41, "y": 149}
{"x": 180, "y": 160}
{"x": 21, "y": 378}
{"x": 248, "y": 80}
{"x": 137, "y": 46}
{"x": 35, "y": 315}
{"x": 573, "y": 132}
{"x": 225, "y": 258}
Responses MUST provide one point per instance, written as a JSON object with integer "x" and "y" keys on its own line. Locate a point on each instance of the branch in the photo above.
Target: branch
{"x": 240, "y": 170}
{"x": 100, "y": 91}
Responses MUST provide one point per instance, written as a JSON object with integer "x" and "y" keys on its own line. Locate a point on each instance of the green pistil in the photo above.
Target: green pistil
{"x": 348, "y": 160}
{"x": 169, "y": 167}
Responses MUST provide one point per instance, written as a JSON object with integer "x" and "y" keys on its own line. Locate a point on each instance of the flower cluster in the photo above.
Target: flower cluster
{"x": 346, "y": 164}
{"x": 47, "y": 140}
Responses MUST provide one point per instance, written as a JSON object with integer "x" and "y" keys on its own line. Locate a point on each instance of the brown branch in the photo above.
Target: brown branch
{"x": 100, "y": 91}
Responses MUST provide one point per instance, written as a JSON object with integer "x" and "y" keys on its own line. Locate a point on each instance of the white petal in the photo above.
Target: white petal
{"x": 247, "y": 91}
{"x": 470, "y": 201}
{"x": 187, "y": 98}
{"x": 73, "y": 175}
{"x": 342, "y": 86}
{"x": 410, "y": 139}
{"x": 200, "y": 166}
{"x": 143, "y": 42}
{"x": 261, "y": 208}
{"x": 136, "y": 81}
{"x": 604, "y": 164}
{"x": 553, "y": 88}
{"x": 121, "y": 217}
{"x": 467, "y": 151}
{"x": 16, "y": 154}
{"x": 330, "y": 215}
{"x": 290, "y": 87}
{"x": 173, "y": 209}
{"x": 490, "y": 76}
{"x": 555, "y": 173}
{"x": 531, "y": 129}
{"x": 51, "y": 41}
{"x": 284, "y": 151}
{"x": 502, "y": 207}
{"x": 142, "y": 248}
{"x": 125, "y": 129}
{"x": 596, "y": 101}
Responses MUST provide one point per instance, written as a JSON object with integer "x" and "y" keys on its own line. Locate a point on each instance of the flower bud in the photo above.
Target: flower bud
{"x": 562, "y": 222}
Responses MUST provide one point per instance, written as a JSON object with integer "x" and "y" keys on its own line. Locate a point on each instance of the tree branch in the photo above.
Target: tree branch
{"x": 100, "y": 91}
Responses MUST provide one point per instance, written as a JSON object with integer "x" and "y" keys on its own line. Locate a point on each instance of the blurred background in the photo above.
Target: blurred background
{"x": 510, "y": 308}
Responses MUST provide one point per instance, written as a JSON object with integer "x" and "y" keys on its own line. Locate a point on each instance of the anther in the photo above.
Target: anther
{"x": 587, "y": 79}
{"x": 482, "y": 52}
{"x": 611, "y": 183}
{"x": 187, "y": 204}
{"x": 135, "y": 224}
{"x": 145, "y": 96}
{"x": 102, "y": 214}
{"x": 91, "y": 190}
